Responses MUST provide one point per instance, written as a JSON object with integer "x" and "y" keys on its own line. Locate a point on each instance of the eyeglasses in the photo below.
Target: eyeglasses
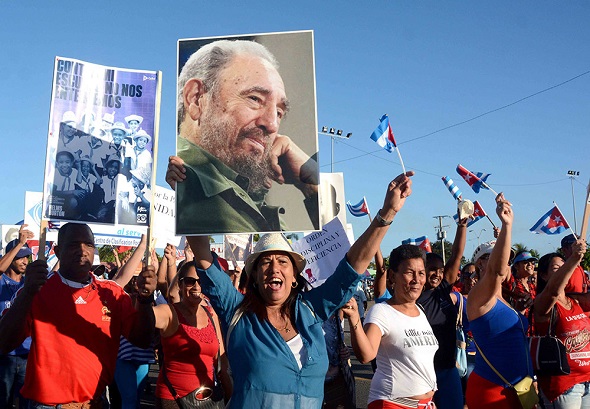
{"x": 189, "y": 281}
{"x": 529, "y": 261}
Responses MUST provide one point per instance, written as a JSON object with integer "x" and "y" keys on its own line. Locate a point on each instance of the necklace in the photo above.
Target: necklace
{"x": 286, "y": 329}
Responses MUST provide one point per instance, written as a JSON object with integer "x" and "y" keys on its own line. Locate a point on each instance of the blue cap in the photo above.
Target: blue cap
{"x": 524, "y": 256}
{"x": 24, "y": 251}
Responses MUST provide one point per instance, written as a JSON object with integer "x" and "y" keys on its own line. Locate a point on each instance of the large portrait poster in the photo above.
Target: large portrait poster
{"x": 332, "y": 201}
{"x": 247, "y": 133}
{"x": 100, "y": 149}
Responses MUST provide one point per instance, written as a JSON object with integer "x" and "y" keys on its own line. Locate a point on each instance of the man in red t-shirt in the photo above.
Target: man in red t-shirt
{"x": 75, "y": 321}
{"x": 578, "y": 283}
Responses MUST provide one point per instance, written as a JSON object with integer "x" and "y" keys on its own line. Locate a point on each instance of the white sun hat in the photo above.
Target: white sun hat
{"x": 273, "y": 242}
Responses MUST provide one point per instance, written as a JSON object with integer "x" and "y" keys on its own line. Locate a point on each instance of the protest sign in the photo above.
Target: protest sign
{"x": 101, "y": 143}
{"x": 218, "y": 248}
{"x": 119, "y": 235}
{"x": 231, "y": 184}
{"x": 323, "y": 251}
{"x": 237, "y": 248}
{"x": 164, "y": 217}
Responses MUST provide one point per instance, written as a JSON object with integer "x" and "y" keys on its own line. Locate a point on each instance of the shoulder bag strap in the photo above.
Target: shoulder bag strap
{"x": 218, "y": 340}
{"x": 490, "y": 364}
{"x": 459, "y": 322}
{"x": 552, "y": 319}
{"x": 173, "y": 392}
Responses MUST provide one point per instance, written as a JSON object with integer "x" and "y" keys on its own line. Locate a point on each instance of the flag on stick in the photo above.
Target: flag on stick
{"x": 421, "y": 242}
{"x": 552, "y": 222}
{"x": 383, "y": 135}
{"x": 360, "y": 209}
{"x": 453, "y": 188}
{"x": 475, "y": 180}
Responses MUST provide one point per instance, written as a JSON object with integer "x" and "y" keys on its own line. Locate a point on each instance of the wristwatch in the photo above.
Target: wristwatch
{"x": 381, "y": 220}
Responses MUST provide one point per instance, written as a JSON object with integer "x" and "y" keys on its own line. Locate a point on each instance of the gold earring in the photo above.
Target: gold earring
{"x": 294, "y": 284}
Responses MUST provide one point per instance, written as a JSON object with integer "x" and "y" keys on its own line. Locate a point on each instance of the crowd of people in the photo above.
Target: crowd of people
{"x": 88, "y": 341}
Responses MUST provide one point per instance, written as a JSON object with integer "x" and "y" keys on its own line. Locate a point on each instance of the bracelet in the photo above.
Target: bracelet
{"x": 381, "y": 220}
{"x": 354, "y": 327}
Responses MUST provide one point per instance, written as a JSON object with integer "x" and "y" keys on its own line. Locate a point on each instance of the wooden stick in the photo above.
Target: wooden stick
{"x": 586, "y": 214}
{"x": 42, "y": 240}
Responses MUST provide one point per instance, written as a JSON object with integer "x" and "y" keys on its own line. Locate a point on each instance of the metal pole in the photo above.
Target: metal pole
{"x": 332, "y": 157}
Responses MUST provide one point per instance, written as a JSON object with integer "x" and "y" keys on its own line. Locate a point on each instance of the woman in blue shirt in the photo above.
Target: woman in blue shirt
{"x": 274, "y": 337}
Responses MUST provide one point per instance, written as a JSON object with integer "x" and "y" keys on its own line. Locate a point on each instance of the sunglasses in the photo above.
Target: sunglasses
{"x": 189, "y": 281}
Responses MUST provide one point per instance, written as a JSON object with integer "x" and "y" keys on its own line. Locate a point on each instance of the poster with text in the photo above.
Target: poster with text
{"x": 323, "y": 251}
{"x": 164, "y": 218}
{"x": 101, "y": 143}
{"x": 237, "y": 248}
{"x": 247, "y": 132}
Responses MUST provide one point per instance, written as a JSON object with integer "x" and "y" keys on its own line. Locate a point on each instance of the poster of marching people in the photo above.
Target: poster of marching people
{"x": 247, "y": 134}
{"x": 101, "y": 143}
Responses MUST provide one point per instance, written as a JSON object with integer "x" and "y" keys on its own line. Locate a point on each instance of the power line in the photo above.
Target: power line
{"x": 497, "y": 109}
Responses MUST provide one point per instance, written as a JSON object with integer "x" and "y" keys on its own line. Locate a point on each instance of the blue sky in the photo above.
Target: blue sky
{"x": 427, "y": 64}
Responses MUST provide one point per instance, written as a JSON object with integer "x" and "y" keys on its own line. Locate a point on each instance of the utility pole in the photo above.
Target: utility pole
{"x": 441, "y": 235}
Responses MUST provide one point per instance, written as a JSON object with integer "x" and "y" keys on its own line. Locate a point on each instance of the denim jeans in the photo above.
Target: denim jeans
{"x": 12, "y": 378}
{"x": 576, "y": 397}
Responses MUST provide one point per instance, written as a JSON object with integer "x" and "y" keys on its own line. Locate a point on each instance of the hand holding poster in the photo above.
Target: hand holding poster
{"x": 102, "y": 127}
{"x": 323, "y": 251}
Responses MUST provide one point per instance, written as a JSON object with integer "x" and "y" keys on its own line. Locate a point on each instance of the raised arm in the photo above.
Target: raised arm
{"x": 555, "y": 287}
{"x": 483, "y": 296}
{"x": 364, "y": 249}
{"x": 380, "y": 283}
{"x": 454, "y": 263}
{"x": 125, "y": 273}
{"x": 23, "y": 235}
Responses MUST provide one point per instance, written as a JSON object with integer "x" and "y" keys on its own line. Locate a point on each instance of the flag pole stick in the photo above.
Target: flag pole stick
{"x": 573, "y": 232}
{"x": 490, "y": 221}
{"x": 401, "y": 160}
{"x": 584, "y": 227}
{"x": 484, "y": 184}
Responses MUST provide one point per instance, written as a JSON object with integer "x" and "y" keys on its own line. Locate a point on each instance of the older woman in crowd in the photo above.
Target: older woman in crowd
{"x": 498, "y": 330}
{"x": 570, "y": 324}
{"x": 274, "y": 336}
{"x": 397, "y": 332}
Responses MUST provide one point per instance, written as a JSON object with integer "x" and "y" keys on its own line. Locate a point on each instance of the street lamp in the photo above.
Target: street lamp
{"x": 478, "y": 235}
{"x": 333, "y": 133}
{"x": 572, "y": 175}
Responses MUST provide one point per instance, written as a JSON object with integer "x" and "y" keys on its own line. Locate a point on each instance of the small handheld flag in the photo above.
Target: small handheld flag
{"x": 360, "y": 209}
{"x": 453, "y": 188}
{"x": 475, "y": 180}
{"x": 383, "y": 135}
{"x": 421, "y": 242}
{"x": 552, "y": 222}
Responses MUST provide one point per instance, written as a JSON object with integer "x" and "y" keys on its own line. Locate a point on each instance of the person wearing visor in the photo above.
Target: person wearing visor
{"x": 520, "y": 287}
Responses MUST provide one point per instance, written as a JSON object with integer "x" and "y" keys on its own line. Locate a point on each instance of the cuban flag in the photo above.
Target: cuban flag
{"x": 360, "y": 209}
{"x": 453, "y": 188}
{"x": 474, "y": 179}
{"x": 421, "y": 242}
{"x": 551, "y": 222}
{"x": 478, "y": 213}
{"x": 53, "y": 225}
{"x": 383, "y": 135}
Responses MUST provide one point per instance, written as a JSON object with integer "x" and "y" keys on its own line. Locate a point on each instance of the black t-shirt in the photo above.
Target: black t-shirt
{"x": 442, "y": 316}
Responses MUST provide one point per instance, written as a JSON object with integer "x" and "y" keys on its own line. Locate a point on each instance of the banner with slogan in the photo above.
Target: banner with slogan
{"x": 236, "y": 184}
{"x": 101, "y": 143}
{"x": 323, "y": 251}
{"x": 164, "y": 217}
{"x": 104, "y": 234}
{"x": 332, "y": 201}
{"x": 237, "y": 248}
{"x": 218, "y": 248}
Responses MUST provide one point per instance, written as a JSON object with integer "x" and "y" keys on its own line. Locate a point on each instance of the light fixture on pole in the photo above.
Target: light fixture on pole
{"x": 334, "y": 133}
{"x": 572, "y": 175}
